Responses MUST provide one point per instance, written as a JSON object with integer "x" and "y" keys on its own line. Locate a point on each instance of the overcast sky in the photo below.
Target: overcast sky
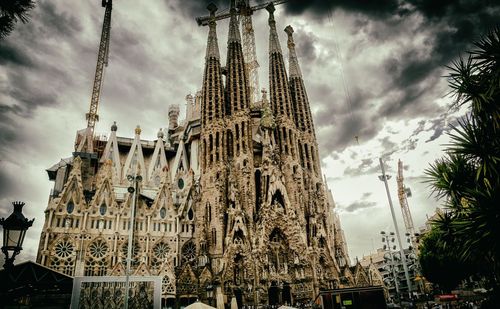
{"x": 373, "y": 69}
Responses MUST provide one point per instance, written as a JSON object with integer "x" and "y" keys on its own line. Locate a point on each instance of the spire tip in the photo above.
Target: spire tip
{"x": 212, "y": 8}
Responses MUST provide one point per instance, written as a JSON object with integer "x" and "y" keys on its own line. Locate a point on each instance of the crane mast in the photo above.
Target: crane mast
{"x": 204, "y": 20}
{"x": 87, "y": 143}
{"x": 403, "y": 193}
{"x": 249, "y": 53}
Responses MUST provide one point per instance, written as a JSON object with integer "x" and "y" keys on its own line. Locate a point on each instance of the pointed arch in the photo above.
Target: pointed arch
{"x": 112, "y": 154}
{"x": 135, "y": 160}
{"x": 158, "y": 163}
{"x": 181, "y": 163}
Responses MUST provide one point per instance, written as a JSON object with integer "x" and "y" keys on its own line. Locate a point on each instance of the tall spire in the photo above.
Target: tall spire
{"x": 234, "y": 31}
{"x": 293, "y": 68}
{"x": 300, "y": 103}
{"x": 274, "y": 43}
{"x": 212, "y": 45}
{"x": 111, "y": 153}
{"x": 278, "y": 82}
{"x": 213, "y": 99}
{"x": 303, "y": 117}
{"x": 237, "y": 97}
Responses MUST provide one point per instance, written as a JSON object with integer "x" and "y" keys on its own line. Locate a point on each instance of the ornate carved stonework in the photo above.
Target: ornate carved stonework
{"x": 232, "y": 199}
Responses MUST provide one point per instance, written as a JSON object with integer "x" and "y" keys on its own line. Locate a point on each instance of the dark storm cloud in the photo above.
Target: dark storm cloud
{"x": 19, "y": 56}
{"x": 359, "y": 205}
{"x": 345, "y": 123}
{"x": 367, "y": 166}
{"x": 453, "y": 25}
{"x": 366, "y": 195}
{"x": 58, "y": 22}
{"x": 10, "y": 54}
{"x": 305, "y": 46}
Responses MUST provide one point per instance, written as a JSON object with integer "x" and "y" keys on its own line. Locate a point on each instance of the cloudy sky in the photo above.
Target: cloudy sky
{"x": 373, "y": 69}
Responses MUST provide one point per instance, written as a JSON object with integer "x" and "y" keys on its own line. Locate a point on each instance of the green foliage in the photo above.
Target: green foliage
{"x": 12, "y": 11}
{"x": 467, "y": 178}
{"x": 440, "y": 264}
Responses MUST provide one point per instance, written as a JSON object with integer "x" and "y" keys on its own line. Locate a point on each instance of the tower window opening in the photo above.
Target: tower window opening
{"x": 308, "y": 159}
{"x": 204, "y": 153}
{"x": 210, "y": 149}
{"x": 243, "y": 137}
{"x": 237, "y": 130}
{"x": 230, "y": 144}
{"x": 257, "y": 193}
{"x": 217, "y": 148}
{"x": 313, "y": 160}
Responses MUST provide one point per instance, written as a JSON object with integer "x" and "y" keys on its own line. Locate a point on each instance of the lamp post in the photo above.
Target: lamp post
{"x": 14, "y": 231}
{"x": 210, "y": 293}
{"x": 384, "y": 178}
{"x": 133, "y": 190}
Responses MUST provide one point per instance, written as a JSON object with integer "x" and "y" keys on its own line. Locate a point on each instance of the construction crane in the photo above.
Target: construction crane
{"x": 248, "y": 37}
{"x": 86, "y": 143}
{"x": 403, "y": 193}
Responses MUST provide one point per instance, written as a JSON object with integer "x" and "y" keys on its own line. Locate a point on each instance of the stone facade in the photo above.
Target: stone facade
{"x": 231, "y": 199}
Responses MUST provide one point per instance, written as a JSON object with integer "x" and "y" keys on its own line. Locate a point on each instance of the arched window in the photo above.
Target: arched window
{"x": 103, "y": 208}
{"x": 70, "y": 206}
{"x": 188, "y": 252}
{"x": 278, "y": 200}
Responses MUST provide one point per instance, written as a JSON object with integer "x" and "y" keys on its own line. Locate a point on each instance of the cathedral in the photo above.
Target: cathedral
{"x": 230, "y": 199}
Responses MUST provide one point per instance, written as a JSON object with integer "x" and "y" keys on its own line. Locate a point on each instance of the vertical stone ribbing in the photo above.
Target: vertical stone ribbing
{"x": 278, "y": 81}
{"x": 279, "y": 93}
{"x": 300, "y": 102}
{"x": 213, "y": 142}
{"x": 213, "y": 97}
{"x": 237, "y": 95}
{"x": 238, "y": 120}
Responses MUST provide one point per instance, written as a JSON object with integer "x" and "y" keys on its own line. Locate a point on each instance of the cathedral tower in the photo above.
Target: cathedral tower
{"x": 232, "y": 197}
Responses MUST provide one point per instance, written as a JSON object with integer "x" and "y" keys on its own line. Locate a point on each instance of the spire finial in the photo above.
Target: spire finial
{"x": 294, "y": 68}
{"x": 160, "y": 133}
{"x": 114, "y": 127}
{"x": 212, "y": 45}
{"x": 274, "y": 43}
{"x": 234, "y": 30}
{"x": 138, "y": 130}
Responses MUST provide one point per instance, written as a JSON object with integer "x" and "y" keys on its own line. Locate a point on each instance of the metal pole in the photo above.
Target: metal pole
{"x": 130, "y": 241}
{"x": 401, "y": 250}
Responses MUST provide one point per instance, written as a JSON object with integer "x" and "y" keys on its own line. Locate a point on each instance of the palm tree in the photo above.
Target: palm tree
{"x": 11, "y": 11}
{"x": 468, "y": 176}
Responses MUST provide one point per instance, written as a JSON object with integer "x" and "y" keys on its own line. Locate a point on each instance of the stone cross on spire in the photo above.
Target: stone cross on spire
{"x": 212, "y": 45}
{"x": 274, "y": 43}
{"x": 293, "y": 68}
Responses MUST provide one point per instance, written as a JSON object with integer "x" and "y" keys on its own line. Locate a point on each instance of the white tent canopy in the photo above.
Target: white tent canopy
{"x": 199, "y": 305}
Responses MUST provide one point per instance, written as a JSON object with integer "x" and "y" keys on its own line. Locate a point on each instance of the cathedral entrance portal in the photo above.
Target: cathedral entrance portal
{"x": 286, "y": 295}
{"x": 239, "y": 297}
{"x": 279, "y": 295}
{"x": 274, "y": 294}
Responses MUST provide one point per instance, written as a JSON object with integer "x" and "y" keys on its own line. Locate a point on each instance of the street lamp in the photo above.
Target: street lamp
{"x": 133, "y": 190}
{"x": 384, "y": 178}
{"x": 210, "y": 293}
{"x": 14, "y": 230}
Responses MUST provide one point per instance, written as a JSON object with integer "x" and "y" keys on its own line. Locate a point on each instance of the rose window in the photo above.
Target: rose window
{"x": 64, "y": 249}
{"x": 188, "y": 252}
{"x": 98, "y": 249}
{"x": 134, "y": 255}
{"x": 161, "y": 250}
